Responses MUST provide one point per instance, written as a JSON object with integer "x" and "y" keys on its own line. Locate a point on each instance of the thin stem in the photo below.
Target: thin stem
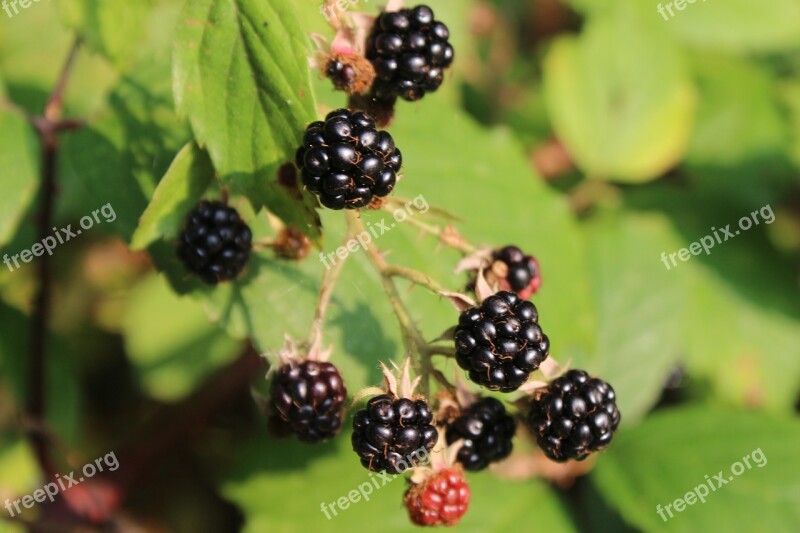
{"x": 414, "y": 276}
{"x": 55, "y": 103}
{"x": 47, "y": 126}
{"x": 447, "y": 351}
{"x": 447, "y": 235}
{"x": 415, "y": 343}
{"x": 329, "y": 279}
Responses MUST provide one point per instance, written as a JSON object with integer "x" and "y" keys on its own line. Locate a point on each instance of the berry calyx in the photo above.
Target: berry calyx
{"x": 351, "y": 73}
{"x": 215, "y": 242}
{"x": 515, "y": 271}
{"x": 500, "y": 342}
{"x": 309, "y": 397}
{"x": 410, "y": 51}
{"x": 439, "y": 500}
{"x": 292, "y": 244}
{"x": 347, "y": 161}
{"x": 575, "y": 416}
{"x": 393, "y": 434}
{"x": 486, "y": 429}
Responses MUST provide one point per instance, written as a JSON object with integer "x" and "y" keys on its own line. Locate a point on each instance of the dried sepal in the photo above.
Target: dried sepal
{"x": 398, "y": 382}
{"x": 446, "y": 335}
{"x": 462, "y": 302}
{"x": 480, "y": 258}
{"x": 483, "y": 289}
{"x": 294, "y": 352}
{"x": 452, "y": 238}
{"x": 550, "y": 368}
{"x": 452, "y": 403}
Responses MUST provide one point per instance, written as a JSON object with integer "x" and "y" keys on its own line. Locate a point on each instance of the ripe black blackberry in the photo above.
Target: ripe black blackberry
{"x": 410, "y": 52}
{"x": 215, "y": 243}
{"x": 309, "y": 397}
{"x": 575, "y": 416}
{"x": 346, "y": 161}
{"x": 391, "y": 432}
{"x": 500, "y": 342}
{"x": 522, "y": 273}
{"x": 487, "y": 430}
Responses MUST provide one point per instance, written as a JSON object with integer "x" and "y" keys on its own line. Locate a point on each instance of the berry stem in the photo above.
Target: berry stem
{"x": 329, "y": 279}
{"x": 448, "y": 351}
{"x": 413, "y": 339}
{"x": 414, "y": 276}
{"x": 447, "y": 235}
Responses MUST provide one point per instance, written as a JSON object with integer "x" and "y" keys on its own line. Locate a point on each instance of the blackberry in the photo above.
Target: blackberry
{"x": 487, "y": 431}
{"x": 520, "y": 272}
{"x": 346, "y": 161}
{"x": 441, "y": 499}
{"x": 215, "y": 243}
{"x": 500, "y": 342}
{"x": 410, "y": 52}
{"x": 391, "y": 432}
{"x": 309, "y": 397}
{"x": 575, "y": 416}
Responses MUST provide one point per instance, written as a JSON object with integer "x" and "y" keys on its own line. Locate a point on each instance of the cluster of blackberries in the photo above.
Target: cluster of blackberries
{"x": 500, "y": 342}
{"x": 391, "y": 432}
{"x": 410, "y": 52}
{"x": 346, "y": 161}
{"x": 523, "y": 276}
{"x": 309, "y": 397}
{"x": 575, "y": 416}
{"x": 215, "y": 243}
{"x": 486, "y": 429}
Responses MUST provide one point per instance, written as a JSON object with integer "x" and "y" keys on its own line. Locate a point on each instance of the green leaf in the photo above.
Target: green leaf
{"x": 672, "y": 453}
{"x": 639, "y": 307}
{"x": 745, "y": 344}
{"x": 738, "y": 335}
{"x": 179, "y": 190}
{"x": 738, "y": 25}
{"x": 738, "y": 119}
{"x": 170, "y": 340}
{"x": 19, "y": 159}
{"x": 241, "y": 76}
{"x": 266, "y": 487}
{"x": 619, "y": 97}
{"x": 112, "y": 28}
{"x": 120, "y": 157}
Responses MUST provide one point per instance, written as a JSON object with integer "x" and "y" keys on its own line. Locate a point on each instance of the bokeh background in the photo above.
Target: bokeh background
{"x": 594, "y": 134}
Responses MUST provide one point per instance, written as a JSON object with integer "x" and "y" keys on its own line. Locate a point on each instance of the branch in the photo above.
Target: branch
{"x": 414, "y": 341}
{"x": 54, "y": 107}
{"x": 47, "y": 127}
